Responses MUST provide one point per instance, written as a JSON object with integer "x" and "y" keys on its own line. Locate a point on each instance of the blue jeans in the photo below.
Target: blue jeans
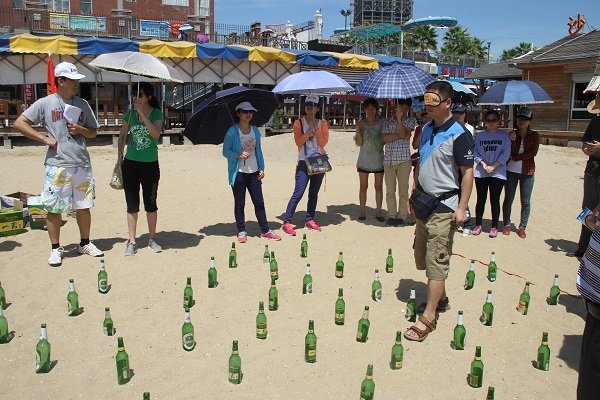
{"x": 254, "y": 185}
{"x": 302, "y": 181}
{"x": 525, "y": 183}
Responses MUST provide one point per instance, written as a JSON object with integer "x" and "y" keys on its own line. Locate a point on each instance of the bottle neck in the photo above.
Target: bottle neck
{"x": 488, "y": 298}
{"x": 102, "y": 266}
{"x": 43, "y": 333}
{"x": 376, "y": 276}
{"x": 307, "y": 271}
{"x": 472, "y": 266}
{"x": 187, "y": 317}
{"x": 106, "y": 314}
{"x": 556, "y": 281}
{"x": 366, "y": 314}
{"x": 493, "y": 257}
{"x": 412, "y": 294}
{"x": 71, "y": 286}
{"x": 212, "y": 263}
{"x": 460, "y": 319}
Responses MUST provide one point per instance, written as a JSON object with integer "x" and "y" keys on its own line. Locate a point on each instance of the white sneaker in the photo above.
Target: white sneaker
{"x": 155, "y": 247}
{"x": 130, "y": 249}
{"x": 466, "y": 232}
{"x": 90, "y": 249}
{"x": 56, "y": 256}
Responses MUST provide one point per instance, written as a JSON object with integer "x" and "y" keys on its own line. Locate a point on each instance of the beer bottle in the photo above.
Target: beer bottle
{"x": 266, "y": 255}
{"x": 376, "y": 287}
{"x": 411, "y": 307}
{"x": 459, "y": 333}
{"x": 212, "y": 274}
{"x": 274, "y": 267}
{"x": 476, "y": 375}
{"x": 304, "y": 247}
{"x": 102, "y": 278}
{"x": 470, "y": 278}
{"x": 122, "y": 360}
{"x": 261, "y": 322}
{"x": 188, "y": 294}
{"x": 107, "y": 324}
{"x": 339, "y": 266}
{"x": 2, "y": 298}
{"x": 340, "y": 308}
{"x": 524, "y": 299}
{"x": 310, "y": 344}
{"x": 492, "y": 268}
{"x": 72, "y": 300}
{"x": 367, "y": 387}
{"x": 273, "y": 296}
{"x": 487, "y": 314}
{"x": 235, "y": 365}
{"x": 233, "y": 256}
{"x": 543, "y": 356}
{"x": 42, "y": 351}
{"x": 490, "y": 393}
{"x": 362, "y": 332}
{"x": 554, "y": 292}
{"x": 4, "y": 332}
{"x": 146, "y": 396}
{"x": 389, "y": 262}
{"x": 187, "y": 332}
{"x": 397, "y": 352}
{"x": 307, "y": 281}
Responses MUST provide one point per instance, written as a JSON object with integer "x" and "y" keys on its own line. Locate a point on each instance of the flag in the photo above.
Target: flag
{"x": 50, "y": 86}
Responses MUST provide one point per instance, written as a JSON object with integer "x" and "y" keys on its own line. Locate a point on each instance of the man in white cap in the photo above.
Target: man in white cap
{"x": 69, "y": 183}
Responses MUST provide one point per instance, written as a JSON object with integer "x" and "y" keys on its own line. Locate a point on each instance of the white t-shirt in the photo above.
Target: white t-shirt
{"x": 516, "y": 166}
{"x": 248, "y": 141}
{"x": 310, "y": 148}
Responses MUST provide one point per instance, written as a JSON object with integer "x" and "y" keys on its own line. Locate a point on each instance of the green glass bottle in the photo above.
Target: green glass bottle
{"x": 490, "y": 393}
{"x": 476, "y": 375}
{"x": 122, "y": 361}
{"x": 42, "y": 352}
{"x": 389, "y": 262}
{"x": 233, "y": 256}
{"x": 304, "y": 247}
{"x": 235, "y": 365}
{"x": 492, "y": 268}
{"x": 212, "y": 274}
{"x": 4, "y": 332}
{"x": 266, "y": 255}
{"x": 362, "y": 332}
{"x": 273, "y": 296}
{"x": 554, "y": 292}
{"x": 102, "y": 278}
{"x": 340, "y": 308}
{"x": 487, "y": 315}
{"x": 72, "y": 300}
{"x": 310, "y": 344}
{"x": 146, "y": 396}
{"x": 470, "y": 278}
{"x": 187, "y": 332}
{"x": 188, "y": 294}
{"x": 459, "y": 333}
{"x": 524, "y": 300}
{"x": 411, "y": 307}
{"x": 376, "y": 288}
{"x": 543, "y": 356}
{"x": 397, "y": 352}
{"x": 107, "y": 324}
{"x": 367, "y": 387}
{"x": 2, "y": 297}
{"x": 339, "y": 266}
{"x": 307, "y": 281}
{"x": 261, "y": 322}
{"x": 273, "y": 267}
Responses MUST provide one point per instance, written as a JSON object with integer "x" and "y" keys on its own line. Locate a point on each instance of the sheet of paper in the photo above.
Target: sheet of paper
{"x": 72, "y": 113}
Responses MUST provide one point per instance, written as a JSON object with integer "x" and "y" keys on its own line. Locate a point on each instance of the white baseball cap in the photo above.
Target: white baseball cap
{"x": 67, "y": 70}
{"x": 246, "y": 106}
{"x": 312, "y": 98}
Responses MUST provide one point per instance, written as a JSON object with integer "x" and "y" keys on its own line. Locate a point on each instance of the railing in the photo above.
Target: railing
{"x": 191, "y": 92}
{"x": 424, "y": 56}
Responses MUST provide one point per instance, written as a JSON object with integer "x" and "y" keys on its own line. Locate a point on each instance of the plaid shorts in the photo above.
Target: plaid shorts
{"x": 68, "y": 188}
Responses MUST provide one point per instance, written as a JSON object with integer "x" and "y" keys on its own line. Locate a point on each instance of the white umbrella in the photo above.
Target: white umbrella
{"x": 136, "y": 63}
{"x": 312, "y": 82}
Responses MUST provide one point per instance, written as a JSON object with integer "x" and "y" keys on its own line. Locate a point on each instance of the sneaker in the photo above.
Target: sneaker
{"x": 391, "y": 221}
{"x": 90, "y": 249}
{"x": 466, "y": 232}
{"x": 155, "y": 247}
{"x": 312, "y": 225}
{"x": 242, "y": 237}
{"x": 56, "y": 256}
{"x": 476, "y": 231}
{"x": 131, "y": 249}
{"x": 493, "y": 232}
{"x": 400, "y": 222}
{"x": 288, "y": 229}
{"x": 521, "y": 233}
{"x": 506, "y": 230}
{"x": 270, "y": 235}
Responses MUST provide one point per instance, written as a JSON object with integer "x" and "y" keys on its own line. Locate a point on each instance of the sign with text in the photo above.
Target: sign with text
{"x": 59, "y": 22}
{"x": 454, "y": 72}
{"x": 88, "y": 23}
{"x": 157, "y": 29}
{"x": 576, "y": 24}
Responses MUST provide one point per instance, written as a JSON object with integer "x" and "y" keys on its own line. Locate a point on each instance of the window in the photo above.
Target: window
{"x": 184, "y": 3}
{"x": 580, "y": 101}
{"x": 57, "y": 5}
{"x": 18, "y": 4}
{"x": 85, "y": 6}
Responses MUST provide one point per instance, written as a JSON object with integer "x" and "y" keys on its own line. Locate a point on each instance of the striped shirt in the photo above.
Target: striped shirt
{"x": 588, "y": 277}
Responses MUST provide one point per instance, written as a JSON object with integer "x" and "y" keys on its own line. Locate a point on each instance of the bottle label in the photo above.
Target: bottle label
{"x": 359, "y": 335}
{"x": 311, "y": 353}
{"x": 378, "y": 295}
{"x": 475, "y": 380}
{"x": 309, "y": 288}
{"x": 102, "y": 285}
{"x": 234, "y": 376}
{"x": 261, "y": 332}
{"x": 522, "y": 307}
{"x": 339, "y": 317}
{"x": 272, "y": 304}
{"x": 483, "y": 318}
{"x": 106, "y": 331}
{"x": 339, "y": 273}
{"x": 398, "y": 364}
{"x": 274, "y": 274}
{"x": 410, "y": 313}
{"x": 188, "y": 341}
{"x": 266, "y": 259}
{"x": 37, "y": 361}
{"x": 466, "y": 283}
{"x": 125, "y": 373}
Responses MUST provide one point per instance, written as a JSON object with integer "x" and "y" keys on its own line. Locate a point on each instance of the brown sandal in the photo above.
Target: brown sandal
{"x": 421, "y": 333}
{"x": 442, "y": 306}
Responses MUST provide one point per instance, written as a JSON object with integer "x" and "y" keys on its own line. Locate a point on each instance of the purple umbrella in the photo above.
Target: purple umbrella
{"x": 515, "y": 92}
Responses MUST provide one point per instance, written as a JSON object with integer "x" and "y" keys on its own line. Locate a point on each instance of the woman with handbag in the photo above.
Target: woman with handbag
{"x": 140, "y": 166}
{"x": 311, "y": 135}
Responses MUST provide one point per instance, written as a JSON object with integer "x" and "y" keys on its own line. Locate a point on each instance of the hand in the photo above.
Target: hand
{"x": 459, "y": 216}
{"x": 489, "y": 169}
{"x": 244, "y": 155}
{"x": 73, "y": 129}
{"x": 50, "y": 142}
{"x": 591, "y": 147}
{"x": 358, "y": 139}
{"x": 261, "y": 174}
{"x": 410, "y": 210}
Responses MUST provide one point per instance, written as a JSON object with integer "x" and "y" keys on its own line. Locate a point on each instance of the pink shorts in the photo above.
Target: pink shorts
{"x": 68, "y": 188}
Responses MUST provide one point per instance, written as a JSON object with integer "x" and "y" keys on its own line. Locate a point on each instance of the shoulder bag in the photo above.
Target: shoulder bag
{"x": 318, "y": 164}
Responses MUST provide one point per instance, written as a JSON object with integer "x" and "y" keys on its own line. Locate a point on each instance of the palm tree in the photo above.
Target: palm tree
{"x": 421, "y": 38}
{"x": 457, "y": 40}
{"x": 522, "y": 48}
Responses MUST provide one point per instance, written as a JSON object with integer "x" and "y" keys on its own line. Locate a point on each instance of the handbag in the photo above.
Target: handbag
{"x": 423, "y": 204}
{"x": 318, "y": 164}
{"x": 116, "y": 180}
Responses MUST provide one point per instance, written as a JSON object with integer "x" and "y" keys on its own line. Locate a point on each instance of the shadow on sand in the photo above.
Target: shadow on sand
{"x": 9, "y": 245}
{"x": 561, "y": 245}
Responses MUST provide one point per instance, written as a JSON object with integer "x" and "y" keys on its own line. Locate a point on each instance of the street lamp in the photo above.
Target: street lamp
{"x": 345, "y": 14}
{"x": 489, "y": 45}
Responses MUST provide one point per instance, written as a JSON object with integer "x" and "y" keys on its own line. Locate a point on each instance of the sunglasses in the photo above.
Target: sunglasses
{"x": 247, "y": 111}
{"x": 432, "y": 99}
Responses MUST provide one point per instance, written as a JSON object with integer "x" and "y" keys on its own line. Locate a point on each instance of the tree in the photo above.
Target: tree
{"x": 458, "y": 41}
{"x": 421, "y": 38}
{"x": 522, "y": 48}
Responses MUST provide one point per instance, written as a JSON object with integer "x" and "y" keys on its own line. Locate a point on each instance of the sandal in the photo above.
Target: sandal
{"x": 421, "y": 333}
{"x": 442, "y": 306}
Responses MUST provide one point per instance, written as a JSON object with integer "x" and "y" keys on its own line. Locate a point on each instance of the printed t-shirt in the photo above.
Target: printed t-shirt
{"x": 142, "y": 146}
{"x": 248, "y": 142}
{"x": 370, "y": 156}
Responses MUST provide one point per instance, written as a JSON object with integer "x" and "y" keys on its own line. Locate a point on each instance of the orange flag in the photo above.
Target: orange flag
{"x": 50, "y": 86}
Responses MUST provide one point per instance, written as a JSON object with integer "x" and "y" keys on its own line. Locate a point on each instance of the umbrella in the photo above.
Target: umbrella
{"x": 515, "y": 92}
{"x": 135, "y": 63}
{"x": 215, "y": 115}
{"x": 312, "y": 81}
{"x": 186, "y": 27}
{"x": 395, "y": 82}
{"x": 459, "y": 87}
{"x": 462, "y": 94}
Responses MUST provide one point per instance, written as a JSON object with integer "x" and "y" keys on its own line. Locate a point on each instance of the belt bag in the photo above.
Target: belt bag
{"x": 424, "y": 204}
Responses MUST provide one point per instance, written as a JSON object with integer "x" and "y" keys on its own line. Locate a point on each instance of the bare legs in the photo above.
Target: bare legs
{"x": 362, "y": 194}
{"x": 132, "y": 218}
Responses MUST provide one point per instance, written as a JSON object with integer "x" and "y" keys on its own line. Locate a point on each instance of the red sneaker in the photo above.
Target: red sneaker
{"x": 312, "y": 225}
{"x": 242, "y": 237}
{"x": 521, "y": 233}
{"x": 288, "y": 229}
{"x": 506, "y": 230}
{"x": 270, "y": 235}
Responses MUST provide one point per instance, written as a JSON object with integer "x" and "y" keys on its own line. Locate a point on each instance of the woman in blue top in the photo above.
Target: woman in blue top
{"x": 246, "y": 167}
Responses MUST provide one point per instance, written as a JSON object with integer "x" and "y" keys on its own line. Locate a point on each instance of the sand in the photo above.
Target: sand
{"x": 196, "y": 222}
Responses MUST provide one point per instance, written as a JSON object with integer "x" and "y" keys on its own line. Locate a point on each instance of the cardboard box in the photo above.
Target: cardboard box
{"x": 11, "y": 221}
{"x": 37, "y": 212}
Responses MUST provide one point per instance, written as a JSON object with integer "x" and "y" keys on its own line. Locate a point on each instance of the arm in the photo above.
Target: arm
{"x": 228, "y": 150}
{"x": 531, "y": 147}
{"x": 323, "y": 134}
{"x": 299, "y": 136}
{"x": 417, "y": 137}
{"x": 260, "y": 160}
{"x": 154, "y": 127}
{"x": 23, "y": 125}
{"x": 358, "y": 139}
{"x": 122, "y": 137}
{"x": 466, "y": 187}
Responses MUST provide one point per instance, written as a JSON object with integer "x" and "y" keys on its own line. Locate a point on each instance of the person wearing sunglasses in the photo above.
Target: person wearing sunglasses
{"x": 492, "y": 151}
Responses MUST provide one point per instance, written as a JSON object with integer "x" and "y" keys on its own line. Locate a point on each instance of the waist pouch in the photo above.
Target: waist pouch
{"x": 423, "y": 204}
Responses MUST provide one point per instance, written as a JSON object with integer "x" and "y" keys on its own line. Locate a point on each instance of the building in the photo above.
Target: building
{"x": 366, "y": 12}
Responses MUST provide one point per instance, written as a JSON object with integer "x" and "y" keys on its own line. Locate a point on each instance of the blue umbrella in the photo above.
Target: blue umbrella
{"x": 459, "y": 87}
{"x": 395, "y": 82}
{"x": 515, "y": 92}
{"x": 312, "y": 82}
{"x": 215, "y": 115}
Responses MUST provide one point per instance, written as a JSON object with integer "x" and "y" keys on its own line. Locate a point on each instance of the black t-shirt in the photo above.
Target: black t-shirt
{"x": 592, "y": 133}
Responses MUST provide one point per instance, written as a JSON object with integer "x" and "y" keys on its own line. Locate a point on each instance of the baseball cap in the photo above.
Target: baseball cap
{"x": 459, "y": 108}
{"x": 312, "y": 98}
{"x": 67, "y": 70}
{"x": 525, "y": 112}
{"x": 246, "y": 106}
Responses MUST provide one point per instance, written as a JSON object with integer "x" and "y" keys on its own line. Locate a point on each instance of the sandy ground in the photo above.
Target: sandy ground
{"x": 196, "y": 222}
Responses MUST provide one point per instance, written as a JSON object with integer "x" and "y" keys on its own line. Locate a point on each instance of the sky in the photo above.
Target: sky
{"x": 504, "y": 23}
